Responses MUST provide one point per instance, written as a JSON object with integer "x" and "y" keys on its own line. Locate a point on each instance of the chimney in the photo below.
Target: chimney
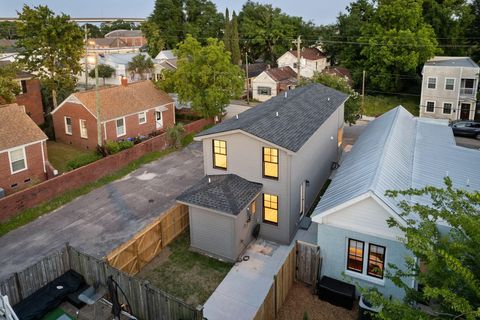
{"x": 124, "y": 81}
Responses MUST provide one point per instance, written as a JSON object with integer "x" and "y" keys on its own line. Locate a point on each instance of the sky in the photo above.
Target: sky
{"x": 318, "y": 11}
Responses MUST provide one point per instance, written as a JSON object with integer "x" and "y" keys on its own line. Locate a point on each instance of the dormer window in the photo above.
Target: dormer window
{"x": 220, "y": 154}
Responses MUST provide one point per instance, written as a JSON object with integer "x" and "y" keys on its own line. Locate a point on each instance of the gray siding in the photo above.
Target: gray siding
{"x": 333, "y": 249}
{"x": 244, "y": 228}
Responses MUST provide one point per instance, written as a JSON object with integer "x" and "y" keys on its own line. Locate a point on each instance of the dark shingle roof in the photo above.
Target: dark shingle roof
{"x": 227, "y": 193}
{"x": 299, "y": 116}
{"x": 282, "y": 74}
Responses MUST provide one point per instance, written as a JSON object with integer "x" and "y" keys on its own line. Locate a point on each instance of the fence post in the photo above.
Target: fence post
{"x": 199, "y": 312}
{"x": 19, "y": 287}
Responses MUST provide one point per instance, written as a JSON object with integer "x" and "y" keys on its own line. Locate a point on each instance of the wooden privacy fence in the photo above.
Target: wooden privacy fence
{"x": 301, "y": 264}
{"x": 146, "y": 301}
{"x": 133, "y": 255}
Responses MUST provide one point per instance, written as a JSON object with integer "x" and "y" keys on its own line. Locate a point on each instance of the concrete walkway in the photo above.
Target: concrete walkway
{"x": 106, "y": 217}
{"x": 242, "y": 292}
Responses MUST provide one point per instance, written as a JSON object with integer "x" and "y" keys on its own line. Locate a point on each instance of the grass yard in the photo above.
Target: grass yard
{"x": 59, "y": 154}
{"x": 185, "y": 274}
{"x": 378, "y": 105}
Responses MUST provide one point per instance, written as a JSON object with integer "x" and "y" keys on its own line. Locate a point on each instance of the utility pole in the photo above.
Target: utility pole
{"x": 86, "y": 57}
{"x": 363, "y": 91}
{"x": 246, "y": 77}
{"x": 298, "y": 42}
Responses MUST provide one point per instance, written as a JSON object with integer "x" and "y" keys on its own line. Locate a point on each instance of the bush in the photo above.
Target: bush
{"x": 82, "y": 160}
{"x": 113, "y": 147}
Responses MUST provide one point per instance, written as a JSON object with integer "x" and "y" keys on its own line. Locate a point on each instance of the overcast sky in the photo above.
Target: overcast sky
{"x": 319, "y": 11}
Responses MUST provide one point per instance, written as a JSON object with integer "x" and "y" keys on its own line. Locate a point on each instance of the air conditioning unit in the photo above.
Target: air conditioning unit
{"x": 2, "y": 193}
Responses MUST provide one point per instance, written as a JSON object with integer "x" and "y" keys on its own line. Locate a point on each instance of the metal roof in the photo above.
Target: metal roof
{"x": 463, "y": 62}
{"x": 287, "y": 120}
{"x": 122, "y": 58}
{"x": 226, "y": 193}
{"x": 396, "y": 152}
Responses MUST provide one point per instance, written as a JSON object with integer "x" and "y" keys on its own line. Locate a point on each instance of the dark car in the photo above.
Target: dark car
{"x": 466, "y": 128}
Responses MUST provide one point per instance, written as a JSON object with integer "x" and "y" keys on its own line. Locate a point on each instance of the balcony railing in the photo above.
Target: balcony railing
{"x": 467, "y": 91}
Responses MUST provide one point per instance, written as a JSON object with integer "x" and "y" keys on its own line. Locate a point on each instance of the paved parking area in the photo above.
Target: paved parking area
{"x": 468, "y": 142}
{"x": 106, "y": 217}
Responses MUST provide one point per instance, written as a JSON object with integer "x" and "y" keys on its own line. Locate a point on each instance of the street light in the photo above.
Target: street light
{"x": 93, "y": 59}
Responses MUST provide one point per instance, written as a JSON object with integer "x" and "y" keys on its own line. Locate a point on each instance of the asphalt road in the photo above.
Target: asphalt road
{"x": 468, "y": 142}
{"x": 106, "y": 217}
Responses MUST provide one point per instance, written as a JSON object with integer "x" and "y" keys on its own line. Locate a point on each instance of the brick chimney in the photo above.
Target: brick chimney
{"x": 124, "y": 81}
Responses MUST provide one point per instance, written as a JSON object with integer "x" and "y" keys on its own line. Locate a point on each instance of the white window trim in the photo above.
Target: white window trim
{"x": 66, "y": 126}
{"x": 364, "y": 276}
{"x": 436, "y": 83}
{"x": 124, "y": 127}
{"x": 86, "y": 130}
{"x": 426, "y": 106}
{"x": 24, "y": 160}
{"x": 443, "y": 107}
{"x": 454, "y": 82}
{"x": 144, "y": 113}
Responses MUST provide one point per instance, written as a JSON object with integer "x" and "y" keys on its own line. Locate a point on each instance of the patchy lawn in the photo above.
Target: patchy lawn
{"x": 301, "y": 301}
{"x": 59, "y": 154}
{"x": 185, "y": 274}
{"x": 378, "y": 105}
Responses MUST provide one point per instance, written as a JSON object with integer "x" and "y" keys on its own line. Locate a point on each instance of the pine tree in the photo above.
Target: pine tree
{"x": 234, "y": 41}
{"x": 227, "y": 34}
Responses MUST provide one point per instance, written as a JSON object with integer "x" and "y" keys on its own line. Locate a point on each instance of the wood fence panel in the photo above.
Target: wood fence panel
{"x": 284, "y": 279}
{"x": 308, "y": 262}
{"x": 9, "y": 287}
{"x": 267, "y": 310}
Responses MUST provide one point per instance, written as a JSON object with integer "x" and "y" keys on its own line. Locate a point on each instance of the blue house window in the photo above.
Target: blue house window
{"x": 376, "y": 261}
{"x": 355, "y": 255}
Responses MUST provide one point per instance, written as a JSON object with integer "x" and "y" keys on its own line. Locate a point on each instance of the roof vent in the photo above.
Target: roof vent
{"x": 328, "y": 99}
{"x": 236, "y": 116}
{"x": 276, "y": 114}
{"x": 286, "y": 94}
{"x": 468, "y": 182}
{"x": 209, "y": 180}
{"x": 446, "y": 173}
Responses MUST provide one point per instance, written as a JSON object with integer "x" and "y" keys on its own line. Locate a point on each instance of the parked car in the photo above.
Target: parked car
{"x": 466, "y": 128}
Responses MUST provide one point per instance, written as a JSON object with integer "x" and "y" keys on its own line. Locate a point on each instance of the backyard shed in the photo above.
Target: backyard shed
{"x": 222, "y": 214}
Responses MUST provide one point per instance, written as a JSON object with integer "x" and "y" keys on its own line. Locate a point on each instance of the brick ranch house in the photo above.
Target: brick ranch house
{"x": 23, "y": 150}
{"x": 126, "y": 111}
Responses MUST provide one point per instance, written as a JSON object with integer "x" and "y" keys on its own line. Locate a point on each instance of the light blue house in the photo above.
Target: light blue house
{"x": 396, "y": 151}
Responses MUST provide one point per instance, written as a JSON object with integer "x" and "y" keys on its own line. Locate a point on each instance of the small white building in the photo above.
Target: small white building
{"x": 271, "y": 82}
{"x": 449, "y": 89}
{"x": 311, "y": 60}
{"x": 165, "y": 60}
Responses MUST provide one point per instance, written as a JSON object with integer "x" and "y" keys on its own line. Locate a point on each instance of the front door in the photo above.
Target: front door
{"x": 158, "y": 119}
{"x": 465, "y": 111}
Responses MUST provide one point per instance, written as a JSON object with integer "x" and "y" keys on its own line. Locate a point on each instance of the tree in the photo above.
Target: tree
{"x": 52, "y": 47}
{"x": 104, "y": 71}
{"x": 117, "y": 25}
{"x": 205, "y": 76}
{"x": 155, "y": 40}
{"x": 397, "y": 41}
{"x": 140, "y": 64}
{"x": 352, "y": 106}
{"x": 202, "y": 20}
{"x": 167, "y": 15}
{"x": 93, "y": 31}
{"x": 8, "y": 86}
{"x": 176, "y": 134}
{"x": 234, "y": 42}
{"x": 450, "y": 273}
{"x": 227, "y": 33}
{"x": 474, "y": 31}
{"x": 8, "y": 30}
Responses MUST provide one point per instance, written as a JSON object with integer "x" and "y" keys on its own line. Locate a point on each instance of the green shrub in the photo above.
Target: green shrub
{"x": 82, "y": 160}
{"x": 113, "y": 147}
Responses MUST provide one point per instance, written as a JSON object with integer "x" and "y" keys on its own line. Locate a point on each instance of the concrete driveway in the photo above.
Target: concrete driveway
{"x": 107, "y": 217}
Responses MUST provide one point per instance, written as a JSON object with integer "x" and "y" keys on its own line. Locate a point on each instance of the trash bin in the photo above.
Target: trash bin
{"x": 365, "y": 309}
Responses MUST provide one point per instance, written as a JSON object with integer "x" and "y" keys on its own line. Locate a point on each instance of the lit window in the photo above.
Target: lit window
{"x": 449, "y": 84}
{"x": 83, "y": 129}
{"x": 270, "y": 209}
{"x": 17, "y": 160}
{"x": 430, "y": 106}
{"x": 340, "y": 136}
{"x": 355, "y": 255}
{"x": 252, "y": 208}
{"x": 120, "y": 127}
{"x": 270, "y": 163}
{"x": 376, "y": 261}
{"x": 219, "y": 154}
{"x": 142, "y": 117}
{"x": 432, "y": 83}
{"x": 264, "y": 91}
{"x": 447, "y": 108}
{"x": 68, "y": 125}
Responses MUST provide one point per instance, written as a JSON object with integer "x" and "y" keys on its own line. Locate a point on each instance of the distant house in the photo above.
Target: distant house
{"x": 254, "y": 70}
{"x": 23, "y": 150}
{"x": 126, "y": 111}
{"x": 120, "y": 61}
{"x": 340, "y": 72}
{"x": 165, "y": 60}
{"x": 395, "y": 152}
{"x": 110, "y": 45}
{"x": 449, "y": 89}
{"x": 133, "y": 38}
{"x": 264, "y": 170}
{"x": 271, "y": 82}
{"x": 311, "y": 60}
{"x": 30, "y": 95}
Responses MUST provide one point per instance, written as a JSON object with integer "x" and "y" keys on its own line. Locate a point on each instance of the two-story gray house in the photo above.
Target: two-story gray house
{"x": 449, "y": 89}
{"x": 264, "y": 167}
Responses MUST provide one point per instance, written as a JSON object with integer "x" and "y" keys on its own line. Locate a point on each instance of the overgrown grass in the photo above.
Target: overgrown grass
{"x": 60, "y": 154}
{"x": 29, "y": 215}
{"x": 378, "y": 105}
{"x": 188, "y": 275}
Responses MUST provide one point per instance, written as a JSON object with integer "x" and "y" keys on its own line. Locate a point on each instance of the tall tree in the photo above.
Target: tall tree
{"x": 205, "y": 76}
{"x": 234, "y": 41}
{"x": 8, "y": 30}
{"x": 117, "y": 25}
{"x": 202, "y": 20}
{"x": 104, "y": 71}
{"x": 52, "y": 47}
{"x": 93, "y": 31}
{"x": 398, "y": 40}
{"x": 9, "y": 88}
{"x": 450, "y": 259}
{"x": 140, "y": 64}
{"x": 155, "y": 41}
{"x": 227, "y": 32}
{"x": 474, "y": 31}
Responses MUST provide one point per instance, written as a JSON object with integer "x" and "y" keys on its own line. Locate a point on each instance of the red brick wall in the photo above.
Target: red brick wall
{"x": 31, "y": 197}
{"x": 32, "y": 100}
{"x": 34, "y": 174}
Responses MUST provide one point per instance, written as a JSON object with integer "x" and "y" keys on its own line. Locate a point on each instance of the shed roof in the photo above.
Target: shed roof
{"x": 282, "y": 74}
{"x": 17, "y": 127}
{"x": 300, "y": 114}
{"x": 227, "y": 193}
{"x": 309, "y": 53}
{"x": 396, "y": 152}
